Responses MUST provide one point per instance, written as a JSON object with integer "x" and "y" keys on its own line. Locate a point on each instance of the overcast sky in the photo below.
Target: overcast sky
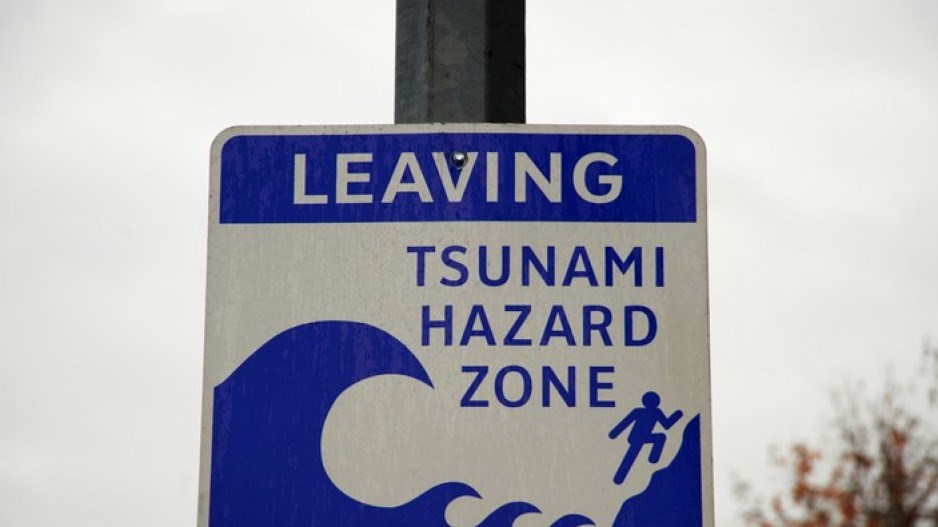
{"x": 821, "y": 123}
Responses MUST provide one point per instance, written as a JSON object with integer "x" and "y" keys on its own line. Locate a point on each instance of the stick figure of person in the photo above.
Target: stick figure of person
{"x": 643, "y": 420}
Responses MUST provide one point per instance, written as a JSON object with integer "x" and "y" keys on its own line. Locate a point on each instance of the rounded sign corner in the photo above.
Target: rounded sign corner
{"x": 695, "y": 139}
{"x": 227, "y": 134}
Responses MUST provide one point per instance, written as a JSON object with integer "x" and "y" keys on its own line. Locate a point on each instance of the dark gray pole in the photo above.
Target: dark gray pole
{"x": 459, "y": 61}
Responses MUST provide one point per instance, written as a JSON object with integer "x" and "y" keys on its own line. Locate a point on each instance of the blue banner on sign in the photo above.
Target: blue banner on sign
{"x": 419, "y": 177}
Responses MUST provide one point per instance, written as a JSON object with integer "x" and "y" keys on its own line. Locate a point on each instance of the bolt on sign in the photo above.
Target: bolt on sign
{"x": 457, "y": 325}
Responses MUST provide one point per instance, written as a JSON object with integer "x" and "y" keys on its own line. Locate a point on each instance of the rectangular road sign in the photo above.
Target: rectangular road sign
{"x": 462, "y": 325}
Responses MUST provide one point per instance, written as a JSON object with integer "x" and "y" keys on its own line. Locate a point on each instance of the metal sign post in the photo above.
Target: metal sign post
{"x": 460, "y": 61}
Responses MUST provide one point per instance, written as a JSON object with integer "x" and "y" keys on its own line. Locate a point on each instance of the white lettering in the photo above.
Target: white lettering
{"x": 300, "y": 197}
{"x": 613, "y": 182}
{"x": 343, "y": 177}
{"x": 408, "y": 160}
{"x": 360, "y": 184}
{"x": 549, "y": 186}
{"x": 454, "y": 191}
{"x": 491, "y": 182}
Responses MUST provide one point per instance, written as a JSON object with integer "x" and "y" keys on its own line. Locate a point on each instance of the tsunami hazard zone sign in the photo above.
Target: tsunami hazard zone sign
{"x": 457, "y": 325}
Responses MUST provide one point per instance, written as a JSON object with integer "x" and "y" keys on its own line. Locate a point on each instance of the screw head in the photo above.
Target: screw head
{"x": 458, "y": 159}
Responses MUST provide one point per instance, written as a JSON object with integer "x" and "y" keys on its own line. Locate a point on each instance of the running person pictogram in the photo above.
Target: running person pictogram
{"x": 643, "y": 420}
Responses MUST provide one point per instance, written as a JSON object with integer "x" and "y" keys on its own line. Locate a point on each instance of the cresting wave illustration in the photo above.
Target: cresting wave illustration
{"x": 267, "y": 467}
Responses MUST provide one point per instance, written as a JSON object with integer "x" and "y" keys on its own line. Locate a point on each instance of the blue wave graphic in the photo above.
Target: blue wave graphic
{"x": 508, "y": 513}
{"x": 573, "y": 520}
{"x": 266, "y": 462}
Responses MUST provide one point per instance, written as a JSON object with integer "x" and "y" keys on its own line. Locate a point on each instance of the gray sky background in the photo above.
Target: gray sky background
{"x": 821, "y": 122}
